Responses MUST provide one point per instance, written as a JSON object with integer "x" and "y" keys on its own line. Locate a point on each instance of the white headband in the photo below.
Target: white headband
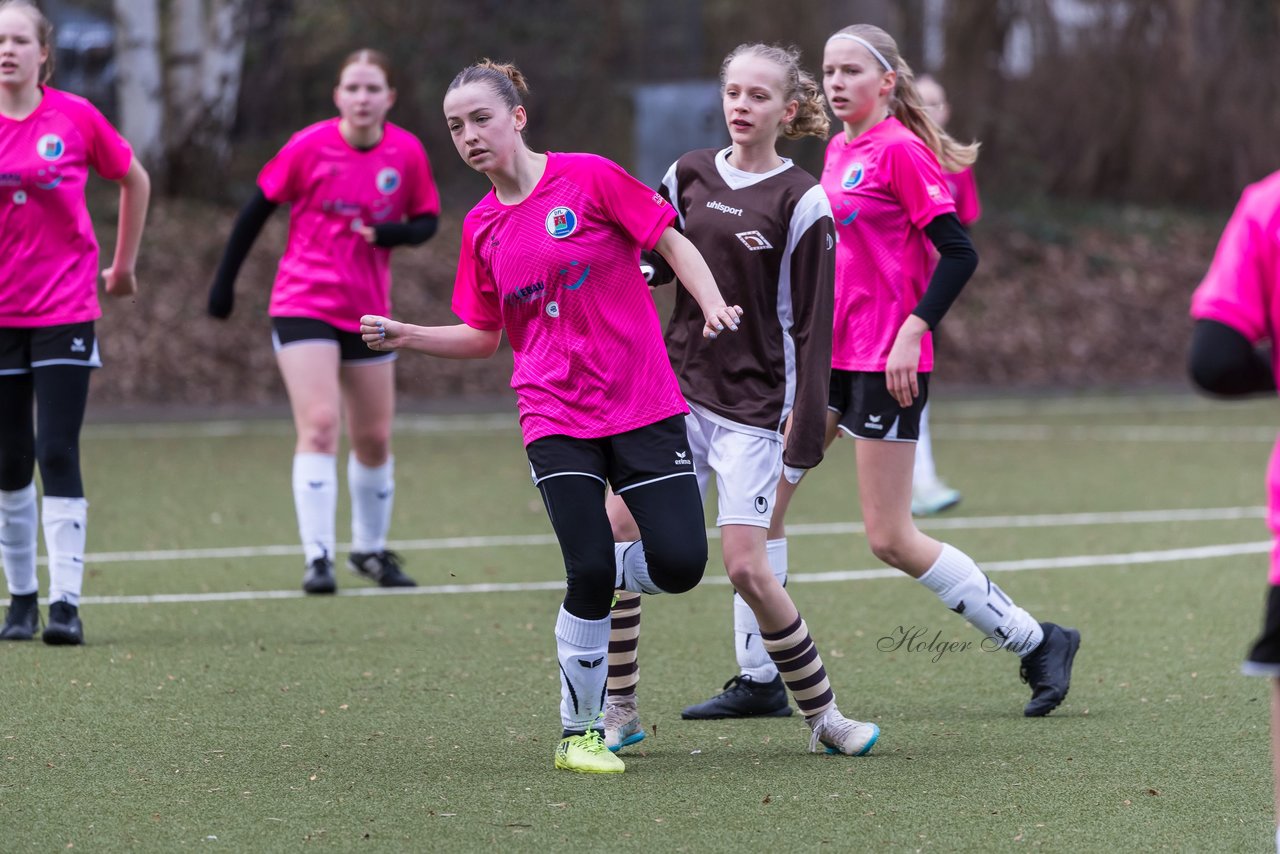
{"x": 860, "y": 40}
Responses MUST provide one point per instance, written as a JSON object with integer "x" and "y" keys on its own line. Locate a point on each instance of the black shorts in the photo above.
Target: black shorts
{"x": 654, "y": 452}
{"x": 41, "y": 346}
{"x": 1264, "y": 658}
{"x": 868, "y": 411}
{"x": 287, "y": 331}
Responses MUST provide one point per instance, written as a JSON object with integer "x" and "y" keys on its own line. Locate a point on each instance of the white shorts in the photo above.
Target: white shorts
{"x": 747, "y": 466}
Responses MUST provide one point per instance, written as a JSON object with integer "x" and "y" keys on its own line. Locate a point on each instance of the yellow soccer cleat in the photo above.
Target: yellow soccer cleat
{"x": 587, "y": 754}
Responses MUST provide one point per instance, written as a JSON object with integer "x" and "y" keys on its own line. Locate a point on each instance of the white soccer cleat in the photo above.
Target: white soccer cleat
{"x": 622, "y": 724}
{"x": 841, "y": 734}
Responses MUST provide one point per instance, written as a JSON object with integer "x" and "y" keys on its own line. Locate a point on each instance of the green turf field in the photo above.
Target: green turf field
{"x": 215, "y": 707}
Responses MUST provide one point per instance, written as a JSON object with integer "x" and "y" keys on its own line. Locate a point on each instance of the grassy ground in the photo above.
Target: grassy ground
{"x": 215, "y": 706}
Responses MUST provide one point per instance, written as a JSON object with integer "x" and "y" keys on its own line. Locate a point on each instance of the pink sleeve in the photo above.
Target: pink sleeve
{"x": 424, "y": 197}
{"x": 916, "y": 180}
{"x": 109, "y": 153}
{"x": 475, "y": 296}
{"x": 276, "y": 178}
{"x": 968, "y": 206}
{"x": 1236, "y": 290}
{"x": 639, "y": 211}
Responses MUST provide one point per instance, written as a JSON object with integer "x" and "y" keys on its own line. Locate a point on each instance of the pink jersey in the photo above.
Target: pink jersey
{"x": 560, "y": 273}
{"x": 885, "y": 186}
{"x": 48, "y": 252}
{"x": 1242, "y": 290}
{"x": 329, "y": 271}
{"x": 964, "y": 190}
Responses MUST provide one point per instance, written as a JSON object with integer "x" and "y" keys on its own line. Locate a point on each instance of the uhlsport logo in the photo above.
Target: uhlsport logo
{"x": 50, "y": 147}
{"x": 754, "y": 240}
{"x": 854, "y": 176}
{"x": 388, "y": 181}
{"x": 561, "y": 223}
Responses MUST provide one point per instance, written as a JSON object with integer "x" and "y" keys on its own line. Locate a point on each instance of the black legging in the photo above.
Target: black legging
{"x": 49, "y": 435}
{"x": 669, "y": 515}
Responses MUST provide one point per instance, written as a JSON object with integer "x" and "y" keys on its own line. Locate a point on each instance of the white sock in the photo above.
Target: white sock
{"x": 64, "y": 536}
{"x": 18, "y": 519}
{"x": 925, "y": 472}
{"x": 373, "y": 493}
{"x": 753, "y": 659}
{"x": 315, "y": 496}
{"x": 966, "y": 589}
{"x": 632, "y": 568}
{"x": 582, "y": 647}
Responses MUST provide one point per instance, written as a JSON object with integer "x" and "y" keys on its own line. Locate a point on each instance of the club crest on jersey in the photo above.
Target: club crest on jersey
{"x": 854, "y": 176}
{"x": 388, "y": 181}
{"x": 561, "y": 223}
{"x": 50, "y": 147}
{"x": 753, "y": 240}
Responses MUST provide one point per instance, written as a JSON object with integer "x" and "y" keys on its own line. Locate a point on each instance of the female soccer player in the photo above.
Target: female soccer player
{"x": 48, "y": 303}
{"x": 931, "y": 495}
{"x": 765, "y": 227}
{"x": 890, "y": 202}
{"x": 551, "y": 256}
{"x": 357, "y": 185}
{"x": 1236, "y": 307}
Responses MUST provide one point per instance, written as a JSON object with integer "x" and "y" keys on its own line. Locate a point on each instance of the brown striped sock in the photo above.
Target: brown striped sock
{"x": 624, "y": 640}
{"x": 801, "y": 667}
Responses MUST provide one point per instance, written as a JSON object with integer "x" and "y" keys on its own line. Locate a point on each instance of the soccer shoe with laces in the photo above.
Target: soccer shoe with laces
{"x": 842, "y": 735}
{"x": 22, "y": 618}
{"x": 743, "y": 697}
{"x": 1047, "y": 669}
{"x": 381, "y": 567}
{"x": 64, "y": 627}
{"x": 930, "y": 499}
{"x": 319, "y": 577}
{"x": 622, "y": 724}
{"x": 587, "y": 754}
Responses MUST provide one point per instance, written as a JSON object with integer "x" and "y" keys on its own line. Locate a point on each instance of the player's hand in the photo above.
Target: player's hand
{"x": 902, "y": 371}
{"x": 725, "y": 317}
{"x": 381, "y": 333}
{"x": 367, "y": 232}
{"x": 120, "y": 283}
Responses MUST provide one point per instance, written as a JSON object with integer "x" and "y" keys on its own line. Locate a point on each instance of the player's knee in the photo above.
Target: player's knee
{"x": 677, "y": 565}
{"x": 747, "y": 577}
{"x": 318, "y": 430}
{"x": 888, "y": 546}
{"x": 16, "y": 470}
{"x": 372, "y": 449}
{"x": 59, "y": 461}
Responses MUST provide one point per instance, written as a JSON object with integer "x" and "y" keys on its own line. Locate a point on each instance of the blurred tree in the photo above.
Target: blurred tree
{"x": 180, "y": 122}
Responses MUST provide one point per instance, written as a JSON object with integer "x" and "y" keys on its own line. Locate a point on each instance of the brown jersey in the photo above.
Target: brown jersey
{"x": 769, "y": 239}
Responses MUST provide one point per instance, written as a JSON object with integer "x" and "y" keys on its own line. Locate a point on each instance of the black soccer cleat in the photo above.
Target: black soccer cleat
{"x": 64, "y": 627}
{"x": 743, "y": 698}
{"x": 382, "y": 568}
{"x": 319, "y": 577}
{"x": 21, "y": 618}
{"x": 1047, "y": 669}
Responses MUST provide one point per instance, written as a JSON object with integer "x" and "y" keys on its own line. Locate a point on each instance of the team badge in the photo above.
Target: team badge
{"x": 753, "y": 240}
{"x": 388, "y": 181}
{"x": 561, "y": 223}
{"x": 50, "y": 147}
{"x": 854, "y": 176}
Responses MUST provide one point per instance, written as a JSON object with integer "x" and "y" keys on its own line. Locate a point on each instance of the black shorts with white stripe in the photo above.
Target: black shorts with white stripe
{"x": 866, "y": 410}
{"x": 625, "y": 460}
{"x": 22, "y": 349}
{"x": 1264, "y": 658}
{"x": 289, "y": 331}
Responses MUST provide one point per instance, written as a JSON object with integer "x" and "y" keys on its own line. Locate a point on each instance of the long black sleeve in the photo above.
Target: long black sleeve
{"x": 246, "y": 229}
{"x": 1224, "y": 362}
{"x": 958, "y": 259}
{"x": 416, "y": 231}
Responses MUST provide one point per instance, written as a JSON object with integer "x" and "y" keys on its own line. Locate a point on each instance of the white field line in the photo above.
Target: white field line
{"x": 1030, "y": 564}
{"x": 1110, "y": 433}
{"x": 1047, "y": 520}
